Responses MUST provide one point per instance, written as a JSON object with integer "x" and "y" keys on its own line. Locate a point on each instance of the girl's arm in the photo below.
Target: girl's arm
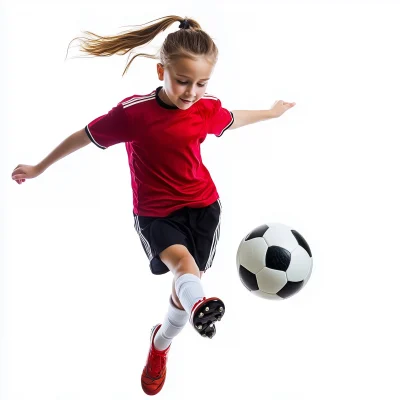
{"x": 72, "y": 143}
{"x": 247, "y": 117}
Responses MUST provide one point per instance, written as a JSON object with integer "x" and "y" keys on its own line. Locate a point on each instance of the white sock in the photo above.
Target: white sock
{"x": 189, "y": 290}
{"x": 173, "y": 323}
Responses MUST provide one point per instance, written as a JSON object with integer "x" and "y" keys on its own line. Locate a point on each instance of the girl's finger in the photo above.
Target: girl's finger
{"x": 16, "y": 171}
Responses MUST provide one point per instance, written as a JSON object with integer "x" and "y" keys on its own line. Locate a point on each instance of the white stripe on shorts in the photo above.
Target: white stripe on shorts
{"x": 145, "y": 243}
{"x": 215, "y": 240}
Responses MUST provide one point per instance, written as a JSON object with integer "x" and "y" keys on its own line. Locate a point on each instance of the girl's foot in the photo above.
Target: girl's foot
{"x": 155, "y": 370}
{"x": 204, "y": 315}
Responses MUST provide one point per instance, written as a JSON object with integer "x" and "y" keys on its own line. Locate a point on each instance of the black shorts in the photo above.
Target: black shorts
{"x": 196, "y": 228}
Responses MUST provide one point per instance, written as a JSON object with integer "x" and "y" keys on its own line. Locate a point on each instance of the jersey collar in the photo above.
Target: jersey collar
{"x": 161, "y": 103}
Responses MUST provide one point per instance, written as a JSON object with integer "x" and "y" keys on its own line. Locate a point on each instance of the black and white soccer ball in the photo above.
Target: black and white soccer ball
{"x": 274, "y": 261}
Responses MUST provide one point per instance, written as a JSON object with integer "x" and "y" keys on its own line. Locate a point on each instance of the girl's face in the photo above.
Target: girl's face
{"x": 186, "y": 79}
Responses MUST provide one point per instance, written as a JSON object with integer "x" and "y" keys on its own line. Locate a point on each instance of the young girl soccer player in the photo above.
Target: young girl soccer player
{"x": 176, "y": 206}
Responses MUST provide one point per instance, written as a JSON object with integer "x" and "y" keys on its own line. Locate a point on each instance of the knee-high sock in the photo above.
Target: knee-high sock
{"x": 189, "y": 290}
{"x": 173, "y": 323}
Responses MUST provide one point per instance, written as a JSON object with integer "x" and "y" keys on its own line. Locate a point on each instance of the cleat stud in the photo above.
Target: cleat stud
{"x": 211, "y": 325}
{"x": 204, "y": 335}
{"x": 207, "y": 308}
{"x": 199, "y": 327}
{"x": 201, "y": 315}
{"x": 221, "y": 309}
{"x": 219, "y": 318}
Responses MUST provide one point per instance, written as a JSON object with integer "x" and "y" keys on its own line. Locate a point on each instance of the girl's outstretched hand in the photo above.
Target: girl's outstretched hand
{"x": 22, "y": 172}
{"x": 280, "y": 107}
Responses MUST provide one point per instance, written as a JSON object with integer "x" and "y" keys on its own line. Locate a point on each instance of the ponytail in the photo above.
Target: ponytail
{"x": 189, "y": 41}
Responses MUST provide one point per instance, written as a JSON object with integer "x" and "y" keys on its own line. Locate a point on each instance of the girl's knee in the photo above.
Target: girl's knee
{"x": 179, "y": 260}
{"x": 187, "y": 265}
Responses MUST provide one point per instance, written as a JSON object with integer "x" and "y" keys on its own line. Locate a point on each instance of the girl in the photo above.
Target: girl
{"x": 176, "y": 206}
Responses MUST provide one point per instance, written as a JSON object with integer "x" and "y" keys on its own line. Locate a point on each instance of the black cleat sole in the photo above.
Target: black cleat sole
{"x": 205, "y": 316}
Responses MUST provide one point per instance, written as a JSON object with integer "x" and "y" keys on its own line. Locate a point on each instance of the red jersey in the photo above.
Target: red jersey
{"x": 163, "y": 146}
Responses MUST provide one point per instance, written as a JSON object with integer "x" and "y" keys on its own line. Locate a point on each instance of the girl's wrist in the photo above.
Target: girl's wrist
{"x": 40, "y": 168}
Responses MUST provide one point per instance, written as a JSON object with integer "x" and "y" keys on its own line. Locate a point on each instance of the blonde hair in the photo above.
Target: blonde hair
{"x": 190, "y": 41}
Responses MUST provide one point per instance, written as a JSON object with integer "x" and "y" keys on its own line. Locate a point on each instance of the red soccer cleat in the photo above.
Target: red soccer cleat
{"x": 204, "y": 315}
{"x": 155, "y": 370}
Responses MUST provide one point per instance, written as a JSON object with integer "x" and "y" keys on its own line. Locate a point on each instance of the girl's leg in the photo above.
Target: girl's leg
{"x": 187, "y": 288}
{"x": 174, "y": 296}
{"x": 174, "y": 321}
{"x": 177, "y": 316}
{"x": 154, "y": 372}
{"x": 188, "y": 293}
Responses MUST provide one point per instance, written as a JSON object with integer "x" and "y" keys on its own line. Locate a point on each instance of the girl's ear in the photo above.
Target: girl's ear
{"x": 160, "y": 71}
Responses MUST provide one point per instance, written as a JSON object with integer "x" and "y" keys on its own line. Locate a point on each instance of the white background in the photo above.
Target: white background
{"x": 77, "y": 296}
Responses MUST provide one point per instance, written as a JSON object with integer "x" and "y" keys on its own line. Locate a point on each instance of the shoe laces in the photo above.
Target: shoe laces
{"x": 157, "y": 362}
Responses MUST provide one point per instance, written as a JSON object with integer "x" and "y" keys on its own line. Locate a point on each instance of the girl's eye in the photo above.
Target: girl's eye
{"x": 184, "y": 83}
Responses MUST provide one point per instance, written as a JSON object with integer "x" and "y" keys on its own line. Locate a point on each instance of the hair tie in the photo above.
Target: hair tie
{"x": 184, "y": 24}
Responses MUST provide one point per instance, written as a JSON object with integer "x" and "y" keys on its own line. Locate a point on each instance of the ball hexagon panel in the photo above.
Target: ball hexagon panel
{"x": 270, "y": 280}
{"x": 301, "y": 265}
{"x": 308, "y": 276}
{"x": 280, "y": 235}
{"x": 251, "y": 254}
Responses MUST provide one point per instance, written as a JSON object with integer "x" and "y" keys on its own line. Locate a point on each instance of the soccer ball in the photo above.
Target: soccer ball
{"x": 274, "y": 261}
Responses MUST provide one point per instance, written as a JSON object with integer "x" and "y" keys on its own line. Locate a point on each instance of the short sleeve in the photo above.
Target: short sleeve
{"x": 219, "y": 119}
{"x": 111, "y": 128}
